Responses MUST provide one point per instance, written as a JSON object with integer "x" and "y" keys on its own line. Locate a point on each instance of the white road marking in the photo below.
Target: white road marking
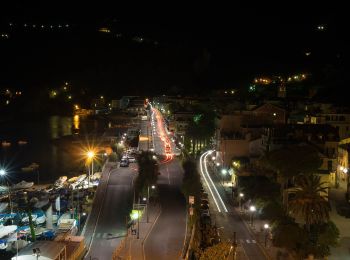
{"x": 248, "y": 241}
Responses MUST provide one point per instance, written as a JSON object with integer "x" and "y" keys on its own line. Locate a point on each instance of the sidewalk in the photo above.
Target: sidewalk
{"x": 340, "y": 206}
{"x": 260, "y": 234}
{"x": 133, "y": 247}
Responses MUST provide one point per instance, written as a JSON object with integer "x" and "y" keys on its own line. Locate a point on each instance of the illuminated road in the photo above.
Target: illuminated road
{"x": 225, "y": 216}
{"x": 166, "y": 239}
{"x": 106, "y": 225}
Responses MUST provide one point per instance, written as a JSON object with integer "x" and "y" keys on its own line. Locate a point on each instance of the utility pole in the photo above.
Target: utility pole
{"x": 138, "y": 220}
{"x": 234, "y": 246}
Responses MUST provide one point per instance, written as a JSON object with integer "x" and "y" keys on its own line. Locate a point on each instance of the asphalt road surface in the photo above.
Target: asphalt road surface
{"x": 225, "y": 217}
{"x": 166, "y": 239}
{"x": 107, "y": 224}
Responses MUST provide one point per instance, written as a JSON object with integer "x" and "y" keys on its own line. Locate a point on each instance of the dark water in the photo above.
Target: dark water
{"x": 56, "y": 156}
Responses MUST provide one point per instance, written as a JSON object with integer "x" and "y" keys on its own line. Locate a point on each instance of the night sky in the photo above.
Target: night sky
{"x": 184, "y": 48}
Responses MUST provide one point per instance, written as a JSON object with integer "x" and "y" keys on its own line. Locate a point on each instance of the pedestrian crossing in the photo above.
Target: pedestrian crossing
{"x": 246, "y": 241}
{"x": 102, "y": 235}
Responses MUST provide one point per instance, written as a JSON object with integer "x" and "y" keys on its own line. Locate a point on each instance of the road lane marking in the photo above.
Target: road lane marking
{"x": 253, "y": 241}
{"x": 247, "y": 240}
{"x": 144, "y": 240}
{"x": 167, "y": 169}
{"x": 99, "y": 213}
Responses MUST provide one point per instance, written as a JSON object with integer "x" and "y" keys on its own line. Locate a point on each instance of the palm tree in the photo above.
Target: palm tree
{"x": 310, "y": 201}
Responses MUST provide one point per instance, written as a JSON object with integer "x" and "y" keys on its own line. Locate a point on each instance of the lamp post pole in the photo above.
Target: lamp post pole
{"x": 138, "y": 220}
{"x": 252, "y": 210}
{"x": 147, "y": 205}
{"x": 3, "y": 173}
{"x": 241, "y": 195}
{"x": 266, "y": 227}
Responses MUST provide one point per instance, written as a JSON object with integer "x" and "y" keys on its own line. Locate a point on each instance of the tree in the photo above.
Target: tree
{"x": 220, "y": 251}
{"x": 310, "y": 200}
{"x": 292, "y": 160}
{"x": 148, "y": 171}
{"x": 289, "y": 235}
{"x": 202, "y": 127}
{"x": 191, "y": 185}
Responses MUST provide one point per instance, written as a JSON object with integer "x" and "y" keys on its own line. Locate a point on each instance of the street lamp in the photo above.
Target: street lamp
{"x": 241, "y": 195}
{"x": 252, "y": 210}
{"x": 213, "y": 158}
{"x": 147, "y": 205}
{"x": 3, "y": 174}
{"x": 224, "y": 172}
{"x": 266, "y": 227}
{"x": 90, "y": 155}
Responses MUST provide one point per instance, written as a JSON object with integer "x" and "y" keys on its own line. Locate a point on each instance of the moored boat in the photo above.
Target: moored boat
{"x": 5, "y": 144}
{"x": 61, "y": 180}
{"x": 22, "y": 185}
{"x": 30, "y": 168}
{"x": 6, "y": 230}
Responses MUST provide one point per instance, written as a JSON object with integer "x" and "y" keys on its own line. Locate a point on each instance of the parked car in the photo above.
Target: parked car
{"x": 131, "y": 159}
{"x": 124, "y": 163}
{"x": 205, "y": 212}
{"x": 204, "y": 195}
{"x": 204, "y": 207}
{"x": 204, "y": 202}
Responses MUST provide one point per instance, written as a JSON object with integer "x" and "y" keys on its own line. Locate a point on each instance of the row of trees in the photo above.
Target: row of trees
{"x": 300, "y": 212}
{"x": 201, "y": 128}
{"x": 148, "y": 172}
{"x": 206, "y": 244}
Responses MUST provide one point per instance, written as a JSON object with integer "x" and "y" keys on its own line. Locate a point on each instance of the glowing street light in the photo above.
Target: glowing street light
{"x": 3, "y": 174}
{"x": 90, "y": 156}
{"x": 241, "y": 195}
{"x": 152, "y": 187}
{"x": 213, "y": 158}
{"x": 252, "y": 211}
{"x": 266, "y": 227}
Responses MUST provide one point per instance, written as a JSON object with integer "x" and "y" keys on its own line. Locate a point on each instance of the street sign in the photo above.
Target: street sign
{"x": 191, "y": 199}
{"x": 191, "y": 211}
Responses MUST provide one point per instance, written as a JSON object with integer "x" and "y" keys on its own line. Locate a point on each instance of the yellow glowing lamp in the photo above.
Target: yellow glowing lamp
{"x": 134, "y": 214}
{"x": 90, "y": 154}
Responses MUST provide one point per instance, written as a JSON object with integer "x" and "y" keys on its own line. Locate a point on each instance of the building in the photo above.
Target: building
{"x": 179, "y": 122}
{"x": 339, "y": 120}
{"x": 341, "y": 179}
{"x": 239, "y": 134}
{"x": 324, "y": 138}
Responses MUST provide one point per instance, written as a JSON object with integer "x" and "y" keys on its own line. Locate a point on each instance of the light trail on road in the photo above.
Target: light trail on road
{"x": 162, "y": 136}
{"x": 205, "y": 179}
{"x": 206, "y": 176}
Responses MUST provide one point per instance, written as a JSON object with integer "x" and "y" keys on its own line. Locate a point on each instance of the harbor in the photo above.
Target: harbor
{"x": 49, "y": 198}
